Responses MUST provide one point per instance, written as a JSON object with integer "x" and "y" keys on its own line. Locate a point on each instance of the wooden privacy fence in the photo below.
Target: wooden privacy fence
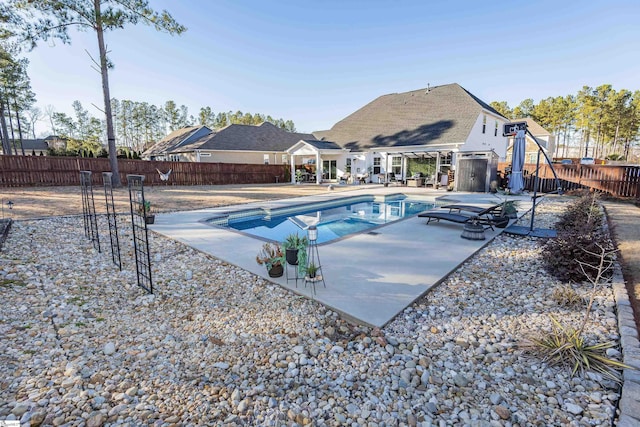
{"x": 619, "y": 181}
{"x": 22, "y": 171}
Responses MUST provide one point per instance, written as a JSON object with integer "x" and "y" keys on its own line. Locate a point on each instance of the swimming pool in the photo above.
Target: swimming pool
{"x": 334, "y": 219}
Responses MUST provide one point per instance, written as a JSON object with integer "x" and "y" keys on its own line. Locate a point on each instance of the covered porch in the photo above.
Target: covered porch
{"x": 317, "y": 161}
{"x": 417, "y": 167}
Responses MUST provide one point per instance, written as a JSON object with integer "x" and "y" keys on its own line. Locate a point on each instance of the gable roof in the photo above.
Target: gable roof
{"x": 437, "y": 115}
{"x": 322, "y": 145}
{"x": 534, "y": 127}
{"x": 263, "y": 137}
{"x": 175, "y": 139}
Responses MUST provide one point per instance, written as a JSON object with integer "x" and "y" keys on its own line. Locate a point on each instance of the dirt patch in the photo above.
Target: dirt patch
{"x": 39, "y": 202}
{"x": 623, "y": 222}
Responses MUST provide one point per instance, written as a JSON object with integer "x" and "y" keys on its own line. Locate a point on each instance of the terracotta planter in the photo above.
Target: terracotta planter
{"x": 276, "y": 271}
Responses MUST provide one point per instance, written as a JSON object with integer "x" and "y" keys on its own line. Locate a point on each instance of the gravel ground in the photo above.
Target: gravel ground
{"x": 216, "y": 345}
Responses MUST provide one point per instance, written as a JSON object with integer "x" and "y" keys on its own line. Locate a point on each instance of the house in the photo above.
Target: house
{"x": 544, "y": 139}
{"x": 261, "y": 144}
{"x": 38, "y": 146}
{"x": 421, "y": 132}
{"x": 171, "y": 146}
{"x": 426, "y": 132}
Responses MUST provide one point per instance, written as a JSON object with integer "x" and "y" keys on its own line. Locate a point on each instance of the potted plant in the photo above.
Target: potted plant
{"x": 271, "y": 256}
{"x": 298, "y": 176}
{"x": 296, "y": 249}
{"x": 145, "y": 210}
{"x": 507, "y": 212}
{"x": 509, "y": 209}
{"x": 312, "y": 270}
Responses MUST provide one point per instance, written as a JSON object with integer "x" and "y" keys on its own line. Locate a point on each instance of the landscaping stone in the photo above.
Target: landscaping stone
{"x": 84, "y": 344}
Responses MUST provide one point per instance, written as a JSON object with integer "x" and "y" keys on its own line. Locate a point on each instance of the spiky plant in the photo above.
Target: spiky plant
{"x": 567, "y": 296}
{"x": 567, "y": 347}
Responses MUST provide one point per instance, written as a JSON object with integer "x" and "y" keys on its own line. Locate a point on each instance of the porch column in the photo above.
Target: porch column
{"x": 293, "y": 168}
{"x": 318, "y": 168}
{"x": 436, "y": 182}
{"x": 386, "y": 167}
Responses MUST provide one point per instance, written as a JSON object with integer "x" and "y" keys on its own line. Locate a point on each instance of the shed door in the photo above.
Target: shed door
{"x": 472, "y": 175}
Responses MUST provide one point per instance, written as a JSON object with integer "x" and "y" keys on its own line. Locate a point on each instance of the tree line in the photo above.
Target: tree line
{"x": 138, "y": 125}
{"x": 601, "y": 122}
{"x": 128, "y": 126}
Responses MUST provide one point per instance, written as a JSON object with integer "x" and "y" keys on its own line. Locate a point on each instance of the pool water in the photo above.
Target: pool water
{"x": 340, "y": 219}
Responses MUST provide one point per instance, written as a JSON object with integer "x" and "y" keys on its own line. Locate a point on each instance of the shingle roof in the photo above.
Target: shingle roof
{"x": 322, "y": 145}
{"x": 31, "y": 144}
{"x": 437, "y": 115}
{"x": 534, "y": 127}
{"x": 173, "y": 140}
{"x": 264, "y": 137}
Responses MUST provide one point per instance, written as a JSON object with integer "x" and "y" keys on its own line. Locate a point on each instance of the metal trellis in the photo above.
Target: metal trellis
{"x": 140, "y": 232}
{"x": 89, "y": 209}
{"x": 112, "y": 219}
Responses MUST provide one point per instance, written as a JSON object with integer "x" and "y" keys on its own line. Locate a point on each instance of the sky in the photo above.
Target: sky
{"x": 316, "y": 62}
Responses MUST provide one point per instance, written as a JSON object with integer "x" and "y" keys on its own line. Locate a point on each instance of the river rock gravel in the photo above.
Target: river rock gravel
{"x": 83, "y": 345}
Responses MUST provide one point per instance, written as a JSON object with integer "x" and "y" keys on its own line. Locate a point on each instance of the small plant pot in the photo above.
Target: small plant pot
{"x": 150, "y": 219}
{"x": 292, "y": 256}
{"x": 500, "y": 221}
{"x": 276, "y": 271}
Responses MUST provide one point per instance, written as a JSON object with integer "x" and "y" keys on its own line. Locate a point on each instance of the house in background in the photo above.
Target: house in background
{"x": 171, "y": 147}
{"x": 543, "y": 137}
{"x": 261, "y": 144}
{"x": 38, "y": 146}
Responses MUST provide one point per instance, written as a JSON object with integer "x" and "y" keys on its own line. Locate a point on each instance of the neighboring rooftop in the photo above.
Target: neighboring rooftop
{"x": 263, "y": 137}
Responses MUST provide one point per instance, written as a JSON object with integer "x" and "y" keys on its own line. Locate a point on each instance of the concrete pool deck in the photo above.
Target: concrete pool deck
{"x": 370, "y": 277}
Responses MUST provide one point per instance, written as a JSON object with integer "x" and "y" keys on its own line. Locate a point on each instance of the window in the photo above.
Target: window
{"x": 484, "y": 124}
{"x": 396, "y": 165}
{"x": 445, "y": 158}
{"x": 347, "y": 167}
{"x": 266, "y": 159}
{"x": 495, "y": 132}
{"x": 376, "y": 165}
{"x": 285, "y": 159}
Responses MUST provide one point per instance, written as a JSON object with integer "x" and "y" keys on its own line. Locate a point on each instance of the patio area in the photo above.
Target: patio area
{"x": 370, "y": 277}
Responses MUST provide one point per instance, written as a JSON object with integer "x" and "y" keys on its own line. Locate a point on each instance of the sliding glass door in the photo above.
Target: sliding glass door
{"x": 329, "y": 170}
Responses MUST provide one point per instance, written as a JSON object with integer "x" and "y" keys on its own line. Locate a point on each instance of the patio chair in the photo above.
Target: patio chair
{"x": 344, "y": 179}
{"x": 477, "y": 215}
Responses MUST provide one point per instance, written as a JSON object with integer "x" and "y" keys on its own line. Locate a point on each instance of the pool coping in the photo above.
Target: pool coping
{"x": 369, "y": 278}
{"x": 228, "y": 214}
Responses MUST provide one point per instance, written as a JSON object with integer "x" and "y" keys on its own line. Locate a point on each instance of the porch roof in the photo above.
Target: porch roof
{"x": 312, "y": 146}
